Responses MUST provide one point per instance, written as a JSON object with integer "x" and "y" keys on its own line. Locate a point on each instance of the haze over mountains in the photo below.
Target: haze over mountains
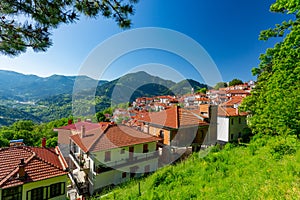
{"x": 22, "y": 87}
{"x": 45, "y": 99}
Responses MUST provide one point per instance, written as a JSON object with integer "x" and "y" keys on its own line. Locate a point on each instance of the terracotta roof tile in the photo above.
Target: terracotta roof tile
{"x": 77, "y": 126}
{"x": 229, "y": 112}
{"x": 234, "y": 100}
{"x": 237, "y": 92}
{"x": 40, "y": 163}
{"x": 116, "y": 136}
{"x": 113, "y": 136}
{"x": 174, "y": 117}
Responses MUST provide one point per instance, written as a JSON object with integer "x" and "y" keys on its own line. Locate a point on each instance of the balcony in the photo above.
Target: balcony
{"x": 79, "y": 178}
{"x": 141, "y": 157}
{"x": 80, "y": 160}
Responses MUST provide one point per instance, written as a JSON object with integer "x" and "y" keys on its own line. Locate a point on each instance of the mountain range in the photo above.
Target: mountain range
{"x": 30, "y": 97}
{"x": 23, "y": 87}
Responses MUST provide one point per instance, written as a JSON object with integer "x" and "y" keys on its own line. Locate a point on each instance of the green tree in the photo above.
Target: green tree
{"x": 220, "y": 85}
{"x": 3, "y": 142}
{"x": 51, "y": 142}
{"x": 274, "y": 103}
{"x": 23, "y": 125}
{"x": 28, "y": 23}
{"x": 235, "y": 81}
{"x": 202, "y": 90}
{"x": 101, "y": 117}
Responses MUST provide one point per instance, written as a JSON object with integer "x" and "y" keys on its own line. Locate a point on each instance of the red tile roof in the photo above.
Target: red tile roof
{"x": 77, "y": 126}
{"x": 40, "y": 164}
{"x": 234, "y": 100}
{"x": 173, "y": 117}
{"x": 114, "y": 136}
{"x": 202, "y": 99}
{"x": 237, "y": 92}
{"x": 229, "y": 112}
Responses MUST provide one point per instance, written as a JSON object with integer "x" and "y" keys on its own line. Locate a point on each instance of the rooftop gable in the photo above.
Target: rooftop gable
{"x": 235, "y": 100}
{"x": 40, "y": 164}
{"x": 174, "y": 117}
{"x": 229, "y": 112}
{"x": 77, "y": 126}
{"x": 114, "y": 136}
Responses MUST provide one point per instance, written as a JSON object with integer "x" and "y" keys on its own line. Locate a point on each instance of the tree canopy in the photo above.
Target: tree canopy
{"x": 274, "y": 105}
{"x": 235, "y": 81}
{"x": 28, "y": 23}
{"x": 220, "y": 85}
{"x": 31, "y": 133}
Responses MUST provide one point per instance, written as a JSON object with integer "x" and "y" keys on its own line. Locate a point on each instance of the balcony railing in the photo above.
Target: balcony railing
{"x": 82, "y": 162}
{"x": 125, "y": 162}
{"x": 82, "y": 187}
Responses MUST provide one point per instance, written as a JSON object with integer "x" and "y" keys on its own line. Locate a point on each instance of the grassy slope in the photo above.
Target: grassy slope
{"x": 263, "y": 170}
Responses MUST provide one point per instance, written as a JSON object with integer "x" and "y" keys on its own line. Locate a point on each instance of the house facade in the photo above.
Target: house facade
{"x": 231, "y": 123}
{"x": 64, "y": 133}
{"x": 30, "y": 173}
{"x": 111, "y": 155}
{"x": 177, "y": 127}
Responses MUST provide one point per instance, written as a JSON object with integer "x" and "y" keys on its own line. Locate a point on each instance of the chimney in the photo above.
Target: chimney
{"x": 82, "y": 131}
{"x": 70, "y": 121}
{"x": 22, "y": 169}
{"x": 44, "y": 142}
{"x": 237, "y": 111}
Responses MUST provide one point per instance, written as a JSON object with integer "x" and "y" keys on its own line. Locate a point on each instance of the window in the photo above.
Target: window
{"x": 43, "y": 193}
{"x": 122, "y": 151}
{"x": 107, "y": 156}
{"x": 124, "y": 174}
{"x": 37, "y": 193}
{"x": 232, "y": 121}
{"x": 12, "y": 193}
{"x": 132, "y": 171}
{"x": 57, "y": 189}
{"x": 202, "y": 134}
{"x": 147, "y": 169}
{"x": 240, "y": 120}
{"x": 131, "y": 151}
{"x": 145, "y": 148}
{"x": 161, "y": 134}
{"x": 231, "y": 137}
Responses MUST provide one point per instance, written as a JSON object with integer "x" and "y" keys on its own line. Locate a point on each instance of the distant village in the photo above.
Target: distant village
{"x": 133, "y": 142}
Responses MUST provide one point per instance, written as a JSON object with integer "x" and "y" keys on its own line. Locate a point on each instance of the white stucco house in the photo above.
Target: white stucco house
{"x": 110, "y": 155}
{"x": 230, "y": 122}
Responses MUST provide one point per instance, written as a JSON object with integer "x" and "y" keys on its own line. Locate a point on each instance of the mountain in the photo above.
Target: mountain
{"x": 10, "y": 115}
{"x": 46, "y": 99}
{"x": 17, "y": 86}
{"x": 134, "y": 85}
{"x": 185, "y": 86}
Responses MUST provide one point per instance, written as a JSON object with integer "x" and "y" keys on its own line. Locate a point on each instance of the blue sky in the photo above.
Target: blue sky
{"x": 227, "y": 30}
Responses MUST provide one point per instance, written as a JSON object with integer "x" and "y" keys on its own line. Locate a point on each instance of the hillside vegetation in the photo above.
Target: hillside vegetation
{"x": 31, "y": 133}
{"x": 267, "y": 168}
{"x": 29, "y": 97}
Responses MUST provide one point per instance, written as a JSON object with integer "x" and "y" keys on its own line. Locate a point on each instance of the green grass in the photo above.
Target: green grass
{"x": 268, "y": 168}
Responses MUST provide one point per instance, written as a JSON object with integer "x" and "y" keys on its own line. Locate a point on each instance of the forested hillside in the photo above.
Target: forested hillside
{"x": 21, "y": 87}
{"x": 29, "y": 97}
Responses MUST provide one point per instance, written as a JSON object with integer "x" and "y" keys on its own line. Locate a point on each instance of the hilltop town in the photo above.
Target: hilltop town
{"x": 132, "y": 142}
